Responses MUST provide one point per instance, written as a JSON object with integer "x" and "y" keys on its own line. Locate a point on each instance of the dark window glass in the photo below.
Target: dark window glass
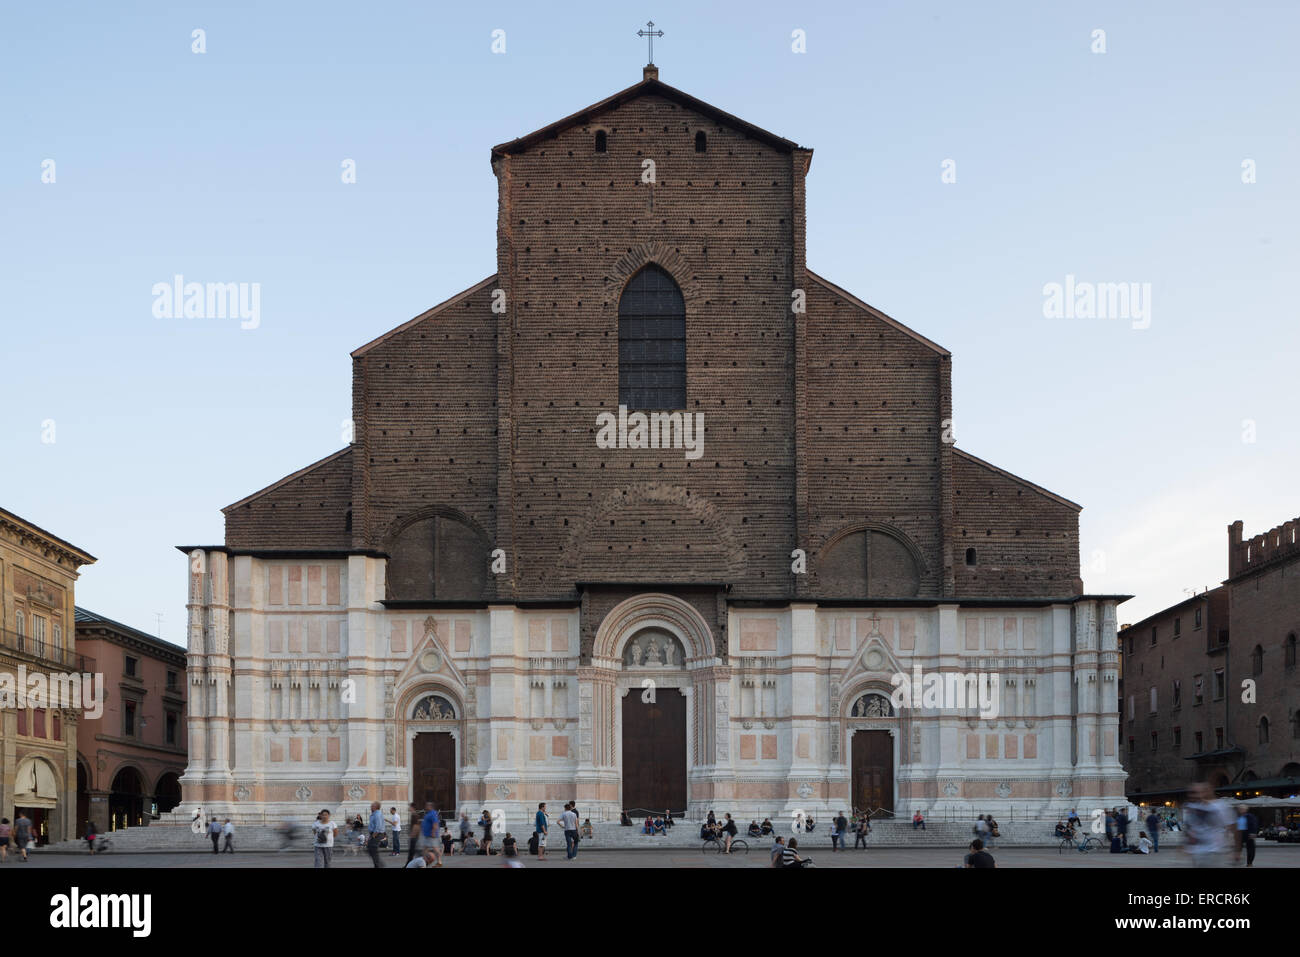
{"x": 171, "y": 727}
{"x": 701, "y": 142}
{"x": 601, "y": 141}
{"x": 130, "y": 666}
{"x": 652, "y": 343}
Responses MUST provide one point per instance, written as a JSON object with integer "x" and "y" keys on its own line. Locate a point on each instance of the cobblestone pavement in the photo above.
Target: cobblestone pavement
{"x": 1270, "y": 856}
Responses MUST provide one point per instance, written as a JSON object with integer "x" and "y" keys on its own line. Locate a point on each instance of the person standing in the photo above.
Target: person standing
{"x": 864, "y": 828}
{"x": 395, "y": 829}
{"x": 1247, "y": 829}
{"x": 323, "y": 831}
{"x": 6, "y": 834}
{"x": 539, "y": 825}
{"x": 214, "y": 832}
{"x": 842, "y": 825}
{"x": 229, "y": 832}
{"x": 835, "y": 834}
{"x": 375, "y": 831}
{"x": 465, "y": 828}
{"x": 1121, "y": 824}
{"x": 485, "y": 822}
{"x": 1153, "y": 831}
{"x": 22, "y": 833}
{"x": 569, "y": 823}
{"x": 90, "y": 836}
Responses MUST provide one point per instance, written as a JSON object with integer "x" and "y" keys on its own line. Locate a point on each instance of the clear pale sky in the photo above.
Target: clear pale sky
{"x": 1123, "y": 166}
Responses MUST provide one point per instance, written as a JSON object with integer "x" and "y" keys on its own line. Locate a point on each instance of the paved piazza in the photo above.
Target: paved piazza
{"x": 1270, "y": 856}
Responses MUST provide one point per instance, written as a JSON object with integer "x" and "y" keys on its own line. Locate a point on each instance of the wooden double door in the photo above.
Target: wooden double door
{"x": 433, "y": 770}
{"x": 873, "y": 771}
{"x": 654, "y": 752}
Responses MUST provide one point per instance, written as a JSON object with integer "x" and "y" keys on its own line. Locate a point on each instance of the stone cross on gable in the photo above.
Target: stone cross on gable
{"x": 650, "y": 34}
{"x": 875, "y": 625}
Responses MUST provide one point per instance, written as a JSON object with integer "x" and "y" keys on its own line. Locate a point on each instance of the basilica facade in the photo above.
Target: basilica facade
{"x": 653, "y": 517}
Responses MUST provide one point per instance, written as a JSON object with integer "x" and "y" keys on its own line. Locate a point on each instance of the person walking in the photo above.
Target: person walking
{"x": 323, "y": 831}
{"x": 430, "y": 828}
{"x": 539, "y": 825}
{"x": 413, "y": 835}
{"x": 229, "y": 832}
{"x": 214, "y": 833}
{"x": 835, "y": 834}
{"x": 485, "y": 822}
{"x": 22, "y": 833}
{"x": 1208, "y": 822}
{"x": 1153, "y": 831}
{"x": 375, "y": 831}
{"x": 842, "y": 825}
{"x": 6, "y": 835}
{"x": 569, "y": 824}
{"x": 90, "y": 836}
{"x": 395, "y": 831}
{"x": 465, "y": 828}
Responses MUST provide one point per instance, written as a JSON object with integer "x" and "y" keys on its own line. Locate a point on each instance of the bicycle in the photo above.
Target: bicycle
{"x": 103, "y": 844}
{"x": 738, "y": 845}
{"x": 1086, "y": 844}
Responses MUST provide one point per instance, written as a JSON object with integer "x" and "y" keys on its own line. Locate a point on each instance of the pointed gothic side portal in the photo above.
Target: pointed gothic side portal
{"x": 873, "y": 771}
{"x": 433, "y": 771}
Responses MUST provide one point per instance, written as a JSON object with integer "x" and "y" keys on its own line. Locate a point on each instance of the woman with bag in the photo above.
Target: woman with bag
{"x": 323, "y": 830}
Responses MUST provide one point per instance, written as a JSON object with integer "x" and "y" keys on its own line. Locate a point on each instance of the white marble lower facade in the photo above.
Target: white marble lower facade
{"x": 307, "y": 693}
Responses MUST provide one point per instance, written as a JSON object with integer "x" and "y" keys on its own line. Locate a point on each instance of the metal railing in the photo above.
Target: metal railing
{"x": 45, "y": 651}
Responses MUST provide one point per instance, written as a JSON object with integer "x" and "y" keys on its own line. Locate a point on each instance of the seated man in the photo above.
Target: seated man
{"x": 1062, "y": 830}
{"x": 918, "y": 820}
{"x": 649, "y": 826}
{"x": 766, "y": 827}
{"x": 754, "y": 830}
{"x": 471, "y": 844}
{"x": 659, "y": 826}
{"x": 624, "y": 820}
{"x": 587, "y": 831}
{"x": 790, "y": 856}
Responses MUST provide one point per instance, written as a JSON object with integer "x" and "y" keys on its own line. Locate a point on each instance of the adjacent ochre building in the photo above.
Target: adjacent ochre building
{"x": 38, "y": 743}
{"x": 648, "y": 518}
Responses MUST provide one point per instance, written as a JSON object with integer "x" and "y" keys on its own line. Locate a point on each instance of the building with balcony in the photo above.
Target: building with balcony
{"x": 38, "y": 655}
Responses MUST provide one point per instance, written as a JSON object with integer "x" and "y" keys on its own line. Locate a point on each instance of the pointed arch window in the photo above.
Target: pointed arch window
{"x": 652, "y": 342}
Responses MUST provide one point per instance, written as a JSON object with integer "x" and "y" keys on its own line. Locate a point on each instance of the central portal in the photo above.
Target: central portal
{"x": 654, "y": 752}
{"x": 433, "y": 772}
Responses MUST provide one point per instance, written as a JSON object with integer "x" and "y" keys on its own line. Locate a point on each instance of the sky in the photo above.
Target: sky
{"x": 967, "y": 157}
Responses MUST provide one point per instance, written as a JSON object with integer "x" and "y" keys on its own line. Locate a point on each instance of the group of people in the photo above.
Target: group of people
{"x": 655, "y": 825}
{"x": 429, "y": 838}
{"x": 216, "y": 831}
{"x": 986, "y": 830}
{"x": 19, "y": 833}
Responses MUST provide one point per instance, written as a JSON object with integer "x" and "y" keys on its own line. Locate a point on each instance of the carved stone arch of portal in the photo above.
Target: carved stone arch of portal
{"x": 653, "y": 610}
{"x": 408, "y": 726}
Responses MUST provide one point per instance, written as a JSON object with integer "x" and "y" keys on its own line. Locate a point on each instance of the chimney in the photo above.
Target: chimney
{"x": 651, "y": 72}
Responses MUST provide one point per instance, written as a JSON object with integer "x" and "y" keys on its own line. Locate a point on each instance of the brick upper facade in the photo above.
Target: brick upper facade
{"x": 823, "y": 429}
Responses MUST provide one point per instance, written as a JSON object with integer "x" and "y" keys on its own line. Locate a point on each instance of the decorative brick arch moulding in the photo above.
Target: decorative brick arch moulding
{"x": 922, "y": 566}
{"x": 653, "y": 610}
{"x": 634, "y": 260}
{"x": 433, "y": 511}
{"x": 729, "y": 556}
